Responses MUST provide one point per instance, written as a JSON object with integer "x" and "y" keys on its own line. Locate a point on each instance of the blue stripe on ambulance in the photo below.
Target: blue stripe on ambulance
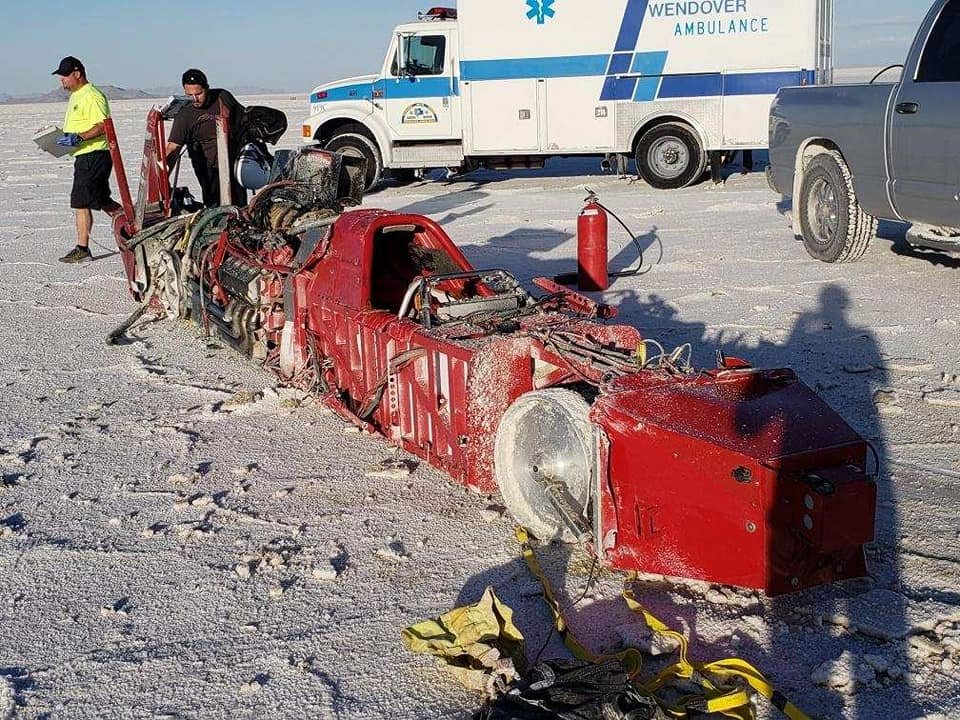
{"x": 765, "y": 83}
{"x": 650, "y": 65}
{"x": 691, "y": 86}
{"x": 405, "y": 88}
{"x": 421, "y": 87}
{"x": 732, "y": 85}
{"x": 533, "y": 68}
{"x": 616, "y": 87}
{"x": 631, "y": 26}
{"x": 653, "y": 85}
{"x": 346, "y": 92}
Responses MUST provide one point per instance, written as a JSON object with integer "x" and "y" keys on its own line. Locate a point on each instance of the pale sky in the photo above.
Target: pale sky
{"x": 293, "y": 45}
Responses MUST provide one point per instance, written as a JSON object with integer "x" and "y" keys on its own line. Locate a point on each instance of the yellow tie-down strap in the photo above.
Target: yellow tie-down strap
{"x": 720, "y": 681}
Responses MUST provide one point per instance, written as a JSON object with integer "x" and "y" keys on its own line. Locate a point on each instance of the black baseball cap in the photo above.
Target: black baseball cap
{"x": 68, "y": 65}
{"x": 195, "y": 77}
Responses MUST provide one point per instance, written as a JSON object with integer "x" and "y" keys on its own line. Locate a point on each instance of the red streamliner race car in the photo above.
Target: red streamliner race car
{"x": 591, "y": 433}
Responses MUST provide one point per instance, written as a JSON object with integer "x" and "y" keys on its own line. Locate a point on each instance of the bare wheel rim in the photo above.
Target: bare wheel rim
{"x": 545, "y": 438}
{"x": 823, "y": 211}
{"x": 669, "y": 157}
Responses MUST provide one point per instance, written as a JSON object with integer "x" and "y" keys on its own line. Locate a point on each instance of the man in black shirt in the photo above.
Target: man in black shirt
{"x": 196, "y": 127}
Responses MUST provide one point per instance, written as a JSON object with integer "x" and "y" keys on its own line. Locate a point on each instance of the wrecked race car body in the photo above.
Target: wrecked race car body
{"x": 592, "y": 433}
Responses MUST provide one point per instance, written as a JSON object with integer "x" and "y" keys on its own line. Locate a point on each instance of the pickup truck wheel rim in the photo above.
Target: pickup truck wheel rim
{"x": 824, "y": 211}
{"x": 669, "y": 157}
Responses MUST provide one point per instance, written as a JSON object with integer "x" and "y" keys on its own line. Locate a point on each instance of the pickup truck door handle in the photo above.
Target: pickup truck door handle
{"x": 908, "y": 108}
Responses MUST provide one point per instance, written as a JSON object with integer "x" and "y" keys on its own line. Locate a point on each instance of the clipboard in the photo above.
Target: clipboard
{"x": 46, "y": 139}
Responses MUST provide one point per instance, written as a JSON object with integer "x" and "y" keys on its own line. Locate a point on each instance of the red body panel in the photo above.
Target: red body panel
{"x": 123, "y": 187}
{"x": 153, "y": 198}
{"x": 735, "y": 476}
{"x": 709, "y": 478}
{"x": 445, "y": 405}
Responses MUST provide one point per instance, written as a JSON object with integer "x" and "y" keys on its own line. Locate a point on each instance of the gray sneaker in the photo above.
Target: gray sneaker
{"x": 77, "y": 255}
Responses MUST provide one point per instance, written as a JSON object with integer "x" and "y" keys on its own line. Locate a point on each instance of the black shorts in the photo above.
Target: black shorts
{"x": 91, "y": 181}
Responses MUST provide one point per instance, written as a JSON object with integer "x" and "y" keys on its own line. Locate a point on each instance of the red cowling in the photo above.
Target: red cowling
{"x": 741, "y": 477}
{"x": 592, "y": 248}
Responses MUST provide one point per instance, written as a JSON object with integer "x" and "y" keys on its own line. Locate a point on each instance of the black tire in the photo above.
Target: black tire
{"x": 834, "y": 227}
{"x": 670, "y": 156}
{"x": 351, "y": 142}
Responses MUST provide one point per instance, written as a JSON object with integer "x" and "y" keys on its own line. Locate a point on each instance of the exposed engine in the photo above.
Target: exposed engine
{"x": 228, "y": 269}
{"x": 238, "y": 289}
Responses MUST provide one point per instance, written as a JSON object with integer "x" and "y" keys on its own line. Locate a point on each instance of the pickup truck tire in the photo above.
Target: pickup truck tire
{"x": 358, "y": 145}
{"x": 670, "y": 156}
{"x": 834, "y": 227}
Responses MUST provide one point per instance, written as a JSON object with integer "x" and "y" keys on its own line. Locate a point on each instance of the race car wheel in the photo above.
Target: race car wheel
{"x": 834, "y": 227}
{"x": 546, "y": 437}
{"x": 670, "y": 156}
{"x": 358, "y": 145}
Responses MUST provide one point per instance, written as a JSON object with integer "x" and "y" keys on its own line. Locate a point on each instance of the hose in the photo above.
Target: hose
{"x": 299, "y": 229}
{"x": 394, "y": 365}
{"x": 203, "y": 220}
{"x": 263, "y": 194}
{"x": 571, "y": 278}
{"x": 154, "y": 231}
{"x": 121, "y": 330}
{"x": 634, "y": 272}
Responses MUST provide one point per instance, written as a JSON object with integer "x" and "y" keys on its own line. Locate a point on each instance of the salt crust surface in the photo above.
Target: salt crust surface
{"x": 164, "y": 553}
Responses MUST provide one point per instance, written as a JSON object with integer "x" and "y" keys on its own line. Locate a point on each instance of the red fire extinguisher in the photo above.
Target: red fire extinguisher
{"x": 592, "y": 225}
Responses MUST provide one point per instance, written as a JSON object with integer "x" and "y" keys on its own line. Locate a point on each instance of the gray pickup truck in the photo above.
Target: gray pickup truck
{"x": 849, "y": 155}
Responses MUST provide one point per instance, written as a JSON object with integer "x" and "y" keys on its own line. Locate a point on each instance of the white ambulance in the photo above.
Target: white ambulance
{"x": 509, "y": 83}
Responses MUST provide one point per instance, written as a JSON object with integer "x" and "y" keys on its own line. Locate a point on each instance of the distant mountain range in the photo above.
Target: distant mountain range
{"x": 113, "y": 92}
{"x": 60, "y": 95}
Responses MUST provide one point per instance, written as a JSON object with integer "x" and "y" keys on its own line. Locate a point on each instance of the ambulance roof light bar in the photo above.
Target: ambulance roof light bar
{"x": 439, "y": 13}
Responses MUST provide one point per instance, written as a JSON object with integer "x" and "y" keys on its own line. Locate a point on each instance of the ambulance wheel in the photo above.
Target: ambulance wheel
{"x": 545, "y": 436}
{"x": 834, "y": 227}
{"x": 355, "y": 144}
{"x": 670, "y": 156}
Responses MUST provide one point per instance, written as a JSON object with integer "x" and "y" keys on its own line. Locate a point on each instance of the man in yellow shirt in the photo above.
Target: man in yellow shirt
{"x": 83, "y": 130}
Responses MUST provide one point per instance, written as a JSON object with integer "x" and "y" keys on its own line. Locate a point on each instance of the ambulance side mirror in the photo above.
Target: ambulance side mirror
{"x": 400, "y": 68}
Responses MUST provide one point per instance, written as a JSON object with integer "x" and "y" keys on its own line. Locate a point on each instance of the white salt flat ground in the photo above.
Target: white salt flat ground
{"x": 119, "y": 597}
